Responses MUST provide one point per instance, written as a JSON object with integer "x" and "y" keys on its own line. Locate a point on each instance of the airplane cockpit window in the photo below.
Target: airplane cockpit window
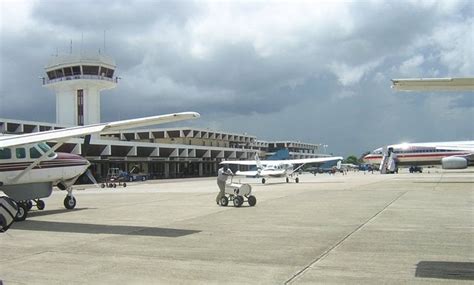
{"x": 5, "y": 153}
{"x": 20, "y": 153}
{"x": 377, "y": 151}
{"x": 45, "y": 148}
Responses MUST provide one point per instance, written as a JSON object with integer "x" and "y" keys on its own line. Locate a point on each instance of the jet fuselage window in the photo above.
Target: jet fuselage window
{"x": 20, "y": 153}
{"x": 5, "y": 153}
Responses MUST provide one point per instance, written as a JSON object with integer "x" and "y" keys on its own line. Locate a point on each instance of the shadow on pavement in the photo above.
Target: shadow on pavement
{"x": 445, "y": 270}
{"x": 48, "y": 226}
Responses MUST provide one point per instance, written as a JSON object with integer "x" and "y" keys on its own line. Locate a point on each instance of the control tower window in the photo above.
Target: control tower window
{"x": 51, "y": 75}
{"x": 90, "y": 70}
{"x": 76, "y": 70}
{"x": 107, "y": 72}
{"x": 67, "y": 71}
{"x": 59, "y": 73}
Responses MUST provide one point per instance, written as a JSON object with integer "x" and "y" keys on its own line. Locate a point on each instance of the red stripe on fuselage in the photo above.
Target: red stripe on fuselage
{"x": 61, "y": 160}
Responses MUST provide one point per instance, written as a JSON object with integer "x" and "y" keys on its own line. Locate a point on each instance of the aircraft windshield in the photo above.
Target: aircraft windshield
{"x": 45, "y": 148}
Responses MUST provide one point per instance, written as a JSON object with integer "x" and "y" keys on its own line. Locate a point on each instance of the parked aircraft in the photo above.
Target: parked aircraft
{"x": 29, "y": 168}
{"x": 450, "y": 155}
{"x": 278, "y": 168}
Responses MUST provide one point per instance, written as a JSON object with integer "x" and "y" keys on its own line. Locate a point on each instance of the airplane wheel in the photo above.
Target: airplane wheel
{"x": 22, "y": 212}
{"x": 263, "y": 180}
{"x": 69, "y": 202}
{"x": 287, "y": 180}
{"x": 124, "y": 184}
{"x": 224, "y": 201}
{"x": 115, "y": 185}
{"x": 252, "y": 200}
{"x": 297, "y": 180}
{"x": 40, "y": 204}
{"x": 102, "y": 185}
{"x": 238, "y": 201}
{"x": 29, "y": 205}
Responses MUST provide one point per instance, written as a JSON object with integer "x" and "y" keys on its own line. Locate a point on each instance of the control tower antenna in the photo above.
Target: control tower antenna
{"x": 70, "y": 47}
{"x": 104, "y": 43}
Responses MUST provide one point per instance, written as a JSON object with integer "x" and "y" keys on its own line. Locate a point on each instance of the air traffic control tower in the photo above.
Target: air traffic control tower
{"x": 77, "y": 81}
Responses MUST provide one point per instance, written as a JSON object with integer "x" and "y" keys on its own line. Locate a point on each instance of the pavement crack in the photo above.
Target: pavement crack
{"x": 337, "y": 244}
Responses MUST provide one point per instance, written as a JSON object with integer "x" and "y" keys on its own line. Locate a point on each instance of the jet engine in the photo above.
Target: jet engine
{"x": 454, "y": 162}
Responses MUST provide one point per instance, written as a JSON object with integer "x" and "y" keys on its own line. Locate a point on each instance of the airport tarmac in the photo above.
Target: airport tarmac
{"x": 357, "y": 228}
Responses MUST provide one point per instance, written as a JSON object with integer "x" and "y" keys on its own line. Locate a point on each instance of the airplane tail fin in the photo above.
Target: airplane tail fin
{"x": 339, "y": 164}
{"x": 259, "y": 164}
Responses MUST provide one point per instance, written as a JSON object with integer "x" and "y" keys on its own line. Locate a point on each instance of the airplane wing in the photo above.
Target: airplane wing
{"x": 239, "y": 162}
{"x": 287, "y": 161}
{"x": 433, "y": 84}
{"x": 15, "y": 140}
{"x": 309, "y": 160}
{"x": 247, "y": 173}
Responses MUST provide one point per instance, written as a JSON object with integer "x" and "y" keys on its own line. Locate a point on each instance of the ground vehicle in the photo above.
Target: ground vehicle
{"x": 237, "y": 193}
{"x": 115, "y": 176}
{"x": 414, "y": 169}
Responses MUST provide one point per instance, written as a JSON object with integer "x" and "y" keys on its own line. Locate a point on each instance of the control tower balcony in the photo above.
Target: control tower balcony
{"x": 80, "y": 69}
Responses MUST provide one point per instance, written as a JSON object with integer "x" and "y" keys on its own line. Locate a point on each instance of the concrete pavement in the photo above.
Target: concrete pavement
{"x": 358, "y": 228}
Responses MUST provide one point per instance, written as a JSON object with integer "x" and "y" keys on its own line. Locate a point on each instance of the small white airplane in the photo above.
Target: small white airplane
{"x": 450, "y": 155}
{"x": 29, "y": 168}
{"x": 279, "y": 168}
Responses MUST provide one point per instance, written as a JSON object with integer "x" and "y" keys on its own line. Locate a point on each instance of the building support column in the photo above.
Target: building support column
{"x": 200, "y": 169}
{"x": 167, "y": 170}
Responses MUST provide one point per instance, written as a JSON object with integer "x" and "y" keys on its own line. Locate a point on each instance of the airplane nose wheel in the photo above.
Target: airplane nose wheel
{"x": 40, "y": 204}
{"x": 69, "y": 202}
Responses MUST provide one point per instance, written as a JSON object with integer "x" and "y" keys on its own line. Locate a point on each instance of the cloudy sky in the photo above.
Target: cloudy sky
{"x": 310, "y": 71}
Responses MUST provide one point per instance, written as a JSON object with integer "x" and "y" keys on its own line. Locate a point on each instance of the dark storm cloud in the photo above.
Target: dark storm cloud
{"x": 124, "y": 15}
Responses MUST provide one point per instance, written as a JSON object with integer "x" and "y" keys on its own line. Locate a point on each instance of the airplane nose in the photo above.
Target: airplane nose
{"x": 72, "y": 158}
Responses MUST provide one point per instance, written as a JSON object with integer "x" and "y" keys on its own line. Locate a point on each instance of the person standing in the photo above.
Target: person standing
{"x": 222, "y": 174}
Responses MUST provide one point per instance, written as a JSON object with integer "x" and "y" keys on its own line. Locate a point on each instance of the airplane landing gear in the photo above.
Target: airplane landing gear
{"x": 69, "y": 201}
{"x": 263, "y": 180}
{"x": 40, "y": 204}
{"x": 22, "y": 212}
{"x": 297, "y": 180}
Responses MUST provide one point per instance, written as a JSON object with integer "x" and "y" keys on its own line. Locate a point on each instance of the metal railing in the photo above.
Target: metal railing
{"x": 79, "y": 76}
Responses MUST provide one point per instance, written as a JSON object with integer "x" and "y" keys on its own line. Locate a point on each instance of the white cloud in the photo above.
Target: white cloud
{"x": 412, "y": 66}
{"x": 350, "y": 75}
{"x": 15, "y": 15}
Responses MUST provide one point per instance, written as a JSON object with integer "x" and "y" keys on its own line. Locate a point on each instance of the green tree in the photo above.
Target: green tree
{"x": 352, "y": 159}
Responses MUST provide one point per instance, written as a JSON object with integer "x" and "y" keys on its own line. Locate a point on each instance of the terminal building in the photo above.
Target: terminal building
{"x": 77, "y": 81}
